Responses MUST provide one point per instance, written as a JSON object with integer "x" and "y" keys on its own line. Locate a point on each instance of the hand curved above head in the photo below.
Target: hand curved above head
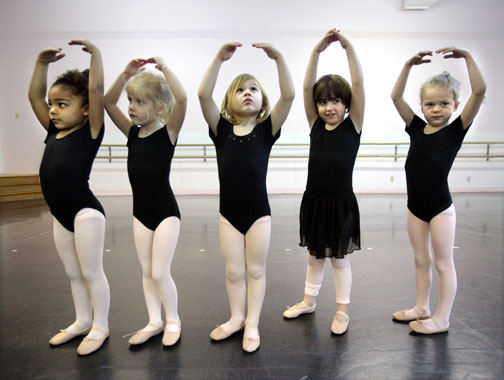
{"x": 50, "y": 55}
{"x": 419, "y": 59}
{"x": 228, "y": 49}
{"x": 135, "y": 66}
{"x": 452, "y": 52}
{"x": 86, "y": 44}
{"x": 269, "y": 49}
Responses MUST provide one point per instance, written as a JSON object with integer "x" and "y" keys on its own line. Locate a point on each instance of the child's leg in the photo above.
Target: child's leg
{"x": 233, "y": 249}
{"x": 419, "y": 235}
{"x": 342, "y": 286}
{"x": 164, "y": 244}
{"x": 89, "y": 239}
{"x": 314, "y": 278}
{"x": 313, "y": 282}
{"x": 342, "y": 282}
{"x": 143, "y": 243}
{"x": 163, "y": 249}
{"x": 443, "y": 238}
{"x": 257, "y": 242}
{"x": 65, "y": 246}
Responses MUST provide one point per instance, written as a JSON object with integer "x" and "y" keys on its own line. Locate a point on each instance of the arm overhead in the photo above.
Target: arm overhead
{"x": 209, "y": 108}
{"x": 38, "y": 84}
{"x": 400, "y": 104}
{"x": 287, "y": 92}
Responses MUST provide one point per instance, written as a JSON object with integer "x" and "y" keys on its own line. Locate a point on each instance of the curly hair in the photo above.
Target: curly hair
{"x": 77, "y": 82}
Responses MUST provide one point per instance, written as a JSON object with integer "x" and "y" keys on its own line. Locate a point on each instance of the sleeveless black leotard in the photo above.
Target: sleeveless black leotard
{"x": 242, "y": 162}
{"x": 149, "y": 162}
{"x": 64, "y": 173}
{"x": 430, "y": 158}
{"x": 329, "y": 216}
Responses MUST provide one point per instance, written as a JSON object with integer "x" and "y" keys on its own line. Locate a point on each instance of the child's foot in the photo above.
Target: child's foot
{"x": 226, "y": 330}
{"x": 172, "y": 333}
{"x": 340, "y": 323}
{"x": 251, "y": 339}
{"x": 410, "y": 315}
{"x": 298, "y": 309}
{"x": 428, "y": 326}
{"x": 93, "y": 341}
{"x": 72, "y": 331}
{"x": 143, "y": 335}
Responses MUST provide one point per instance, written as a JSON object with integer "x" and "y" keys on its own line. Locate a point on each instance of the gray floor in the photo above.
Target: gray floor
{"x": 35, "y": 300}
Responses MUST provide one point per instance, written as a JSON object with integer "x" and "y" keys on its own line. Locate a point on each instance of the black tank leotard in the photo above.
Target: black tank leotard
{"x": 64, "y": 173}
{"x": 149, "y": 162}
{"x": 430, "y": 158}
{"x": 243, "y": 162}
{"x": 329, "y": 216}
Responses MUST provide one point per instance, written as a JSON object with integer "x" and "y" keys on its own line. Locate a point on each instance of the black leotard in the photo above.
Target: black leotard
{"x": 430, "y": 158}
{"x": 64, "y": 173}
{"x": 243, "y": 162}
{"x": 149, "y": 162}
{"x": 329, "y": 216}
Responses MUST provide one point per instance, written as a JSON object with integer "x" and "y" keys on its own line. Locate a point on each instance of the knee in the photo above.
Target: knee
{"x": 444, "y": 266}
{"x": 234, "y": 273}
{"x": 340, "y": 264}
{"x": 159, "y": 275}
{"x": 422, "y": 260}
{"x": 255, "y": 272}
{"x": 74, "y": 275}
{"x": 92, "y": 275}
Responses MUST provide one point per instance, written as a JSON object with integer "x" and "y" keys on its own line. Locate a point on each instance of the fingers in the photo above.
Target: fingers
{"x": 446, "y": 49}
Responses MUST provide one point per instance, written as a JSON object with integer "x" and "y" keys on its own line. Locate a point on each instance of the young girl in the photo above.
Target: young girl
{"x": 73, "y": 118}
{"x": 243, "y": 133}
{"x": 431, "y": 214}
{"x": 329, "y": 216}
{"x": 152, "y": 132}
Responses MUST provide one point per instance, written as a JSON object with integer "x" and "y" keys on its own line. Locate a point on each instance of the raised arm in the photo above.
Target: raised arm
{"x": 478, "y": 86}
{"x": 358, "y": 96}
{"x": 179, "y": 109}
{"x": 287, "y": 92}
{"x": 311, "y": 75}
{"x": 114, "y": 93}
{"x": 96, "y": 86}
{"x": 38, "y": 84}
{"x": 400, "y": 104}
{"x": 210, "y": 110}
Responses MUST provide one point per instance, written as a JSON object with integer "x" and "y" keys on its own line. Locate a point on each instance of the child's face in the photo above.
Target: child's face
{"x": 331, "y": 111}
{"x": 65, "y": 109}
{"x": 438, "y": 105}
{"x": 247, "y": 100}
{"x": 141, "y": 109}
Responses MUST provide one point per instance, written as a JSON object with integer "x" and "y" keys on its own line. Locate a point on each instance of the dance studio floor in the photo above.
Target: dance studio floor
{"x": 35, "y": 300}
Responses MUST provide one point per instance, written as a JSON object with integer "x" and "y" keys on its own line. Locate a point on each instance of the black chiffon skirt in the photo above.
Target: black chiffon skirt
{"x": 329, "y": 226}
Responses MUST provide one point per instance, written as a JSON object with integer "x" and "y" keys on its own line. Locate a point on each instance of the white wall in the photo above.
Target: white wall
{"x": 188, "y": 33}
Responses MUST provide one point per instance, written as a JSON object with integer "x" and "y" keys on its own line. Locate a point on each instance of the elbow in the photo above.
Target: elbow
{"x": 289, "y": 96}
{"x": 480, "y": 90}
{"x": 182, "y": 101}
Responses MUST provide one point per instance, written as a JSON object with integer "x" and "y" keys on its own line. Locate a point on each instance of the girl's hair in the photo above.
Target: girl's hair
{"x": 445, "y": 79}
{"x": 77, "y": 82}
{"x": 155, "y": 88}
{"x": 226, "y": 108}
{"x": 332, "y": 86}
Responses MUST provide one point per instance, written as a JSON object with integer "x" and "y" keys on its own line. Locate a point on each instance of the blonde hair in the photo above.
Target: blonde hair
{"x": 226, "y": 108}
{"x": 445, "y": 79}
{"x": 155, "y": 88}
